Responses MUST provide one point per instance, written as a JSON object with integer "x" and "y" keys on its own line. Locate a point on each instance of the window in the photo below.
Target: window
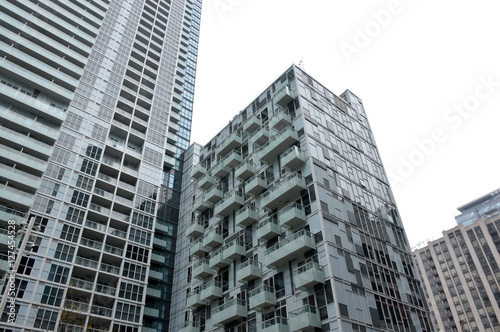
{"x": 124, "y": 328}
{"x": 52, "y": 295}
{"x": 89, "y": 167}
{"x": 84, "y": 182}
{"x": 58, "y": 274}
{"x": 146, "y": 206}
{"x": 134, "y": 271}
{"x": 26, "y": 265}
{"x": 131, "y": 292}
{"x": 93, "y": 152}
{"x": 127, "y": 312}
{"x": 46, "y": 319}
{"x": 142, "y": 220}
{"x": 75, "y": 215}
{"x": 80, "y": 198}
{"x": 20, "y": 288}
{"x": 70, "y": 233}
{"x": 64, "y": 252}
{"x": 139, "y": 236}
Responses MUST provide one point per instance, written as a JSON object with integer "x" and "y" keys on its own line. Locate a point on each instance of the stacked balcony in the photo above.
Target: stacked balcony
{"x": 230, "y": 143}
{"x": 220, "y": 170}
{"x": 252, "y": 124}
{"x": 261, "y": 136}
{"x": 233, "y": 159}
{"x": 193, "y": 299}
{"x": 189, "y": 326}
{"x": 292, "y": 215}
{"x": 202, "y": 269}
{"x": 231, "y": 202}
{"x": 195, "y": 229}
{"x": 249, "y": 270}
{"x": 280, "y": 120}
{"x": 268, "y": 229}
{"x": 284, "y": 96}
{"x": 213, "y": 238}
{"x": 262, "y": 297}
{"x": 278, "y": 144}
{"x": 233, "y": 250}
{"x": 308, "y": 275}
{"x": 293, "y": 158}
{"x": 291, "y": 247}
{"x": 210, "y": 291}
{"x": 256, "y": 184}
{"x": 246, "y": 216}
{"x": 286, "y": 190}
{"x": 229, "y": 311}
{"x": 214, "y": 194}
{"x": 206, "y": 181}
{"x": 244, "y": 170}
{"x": 276, "y": 324}
{"x": 305, "y": 318}
{"x": 197, "y": 248}
{"x": 217, "y": 260}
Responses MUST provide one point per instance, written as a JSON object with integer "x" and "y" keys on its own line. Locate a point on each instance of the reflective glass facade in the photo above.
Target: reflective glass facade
{"x": 483, "y": 207}
{"x": 96, "y": 101}
{"x": 293, "y": 225}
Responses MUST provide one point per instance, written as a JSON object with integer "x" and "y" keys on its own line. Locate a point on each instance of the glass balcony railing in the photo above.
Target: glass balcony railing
{"x": 214, "y": 194}
{"x": 104, "y": 289}
{"x": 268, "y": 229}
{"x": 278, "y": 144}
{"x": 210, "y": 291}
{"x": 308, "y": 275}
{"x": 261, "y": 136}
{"x": 230, "y": 143}
{"x": 276, "y": 324}
{"x": 212, "y": 238}
{"x": 86, "y": 262}
{"x": 256, "y": 184}
{"x": 229, "y": 311}
{"x": 195, "y": 229}
{"x": 201, "y": 204}
{"x": 280, "y": 120}
{"x": 293, "y": 158}
{"x": 233, "y": 159}
{"x": 249, "y": 270}
{"x": 90, "y": 243}
{"x": 233, "y": 250}
{"x": 217, "y": 260}
{"x": 197, "y": 248}
{"x": 262, "y": 297}
{"x": 198, "y": 171}
{"x": 193, "y": 299}
{"x": 291, "y": 247}
{"x": 292, "y": 215}
{"x": 220, "y": 170}
{"x": 246, "y": 216}
{"x": 244, "y": 170}
{"x": 76, "y": 306}
{"x": 202, "y": 269}
{"x": 83, "y": 284}
{"x": 189, "y": 326}
{"x": 228, "y": 204}
{"x": 284, "y": 96}
{"x": 101, "y": 311}
{"x": 306, "y": 317}
{"x": 287, "y": 189}
{"x": 206, "y": 181}
{"x": 252, "y": 124}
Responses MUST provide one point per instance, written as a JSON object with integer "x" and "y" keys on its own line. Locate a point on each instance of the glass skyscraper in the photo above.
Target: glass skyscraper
{"x": 95, "y": 109}
{"x": 290, "y": 223}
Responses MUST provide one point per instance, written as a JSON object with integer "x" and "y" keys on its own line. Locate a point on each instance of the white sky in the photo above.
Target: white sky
{"x": 416, "y": 65}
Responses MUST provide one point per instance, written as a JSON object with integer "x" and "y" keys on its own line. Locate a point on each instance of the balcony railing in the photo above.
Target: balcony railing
{"x": 110, "y": 268}
{"x": 230, "y": 143}
{"x": 193, "y": 299}
{"x": 292, "y": 215}
{"x": 290, "y": 248}
{"x": 276, "y": 324}
{"x": 280, "y": 120}
{"x": 262, "y": 297}
{"x": 217, "y": 260}
{"x": 197, "y": 248}
{"x": 244, "y": 170}
{"x": 293, "y": 158}
{"x": 287, "y": 189}
{"x": 103, "y": 289}
{"x": 198, "y": 171}
{"x": 201, "y": 204}
{"x": 306, "y": 317}
{"x": 233, "y": 159}
{"x": 278, "y": 144}
{"x": 268, "y": 229}
{"x": 202, "y": 269}
{"x": 220, "y": 170}
{"x": 233, "y": 250}
{"x": 246, "y": 216}
{"x": 210, "y": 291}
{"x": 86, "y": 262}
{"x": 83, "y": 284}
{"x": 206, "y": 181}
{"x": 248, "y": 270}
{"x": 284, "y": 96}
{"x": 76, "y": 306}
{"x": 308, "y": 275}
{"x": 90, "y": 243}
{"x": 261, "y": 136}
{"x": 252, "y": 124}
{"x": 214, "y": 194}
{"x": 228, "y": 204}
{"x": 189, "y": 326}
{"x": 229, "y": 311}
{"x": 113, "y": 250}
{"x": 101, "y": 311}
{"x": 256, "y": 184}
{"x": 195, "y": 229}
{"x": 212, "y": 238}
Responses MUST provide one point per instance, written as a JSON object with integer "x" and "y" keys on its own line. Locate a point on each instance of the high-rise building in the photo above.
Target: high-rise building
{"x": 460, "y": 275}
{"x": 483, "y": 207}
{"x": 95, "y": 111}
{"x": 290, "y": 223}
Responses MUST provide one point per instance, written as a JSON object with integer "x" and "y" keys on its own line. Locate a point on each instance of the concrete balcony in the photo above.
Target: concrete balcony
{"x": 213, "y": 238}
{"x": 256, "y": 184}
{"x": 195, "y": 229}
{"x": 220, "y": 170}
{"x": 246, "y": 216}
{"x": 290, "y": 248}
{"x": 202, "y": 269}
{"x": 276, "y": 324}
{"x": 229, "y": 311}
{"x": 201, "y": 204}
{"x": 217, "y": 260}
{"x": 284, "y": 96}
{"x": 244, "y": 171}
{"x": 292, "y": 215}
{"x": 197, "y": 248}
{"x": 305, "y": 318}
{"x": 308, "y": 275}
{"x": 233, "y": 159}
{"x": 228, "y": 204}
{"x": 193, "y": 299}
{"x": 286, "y": 190}
{"x": 262, "y": 297}
{"x": 206, "y": 181}
{"x": 230, "y": 143}
{"x": 280, "y": 120}
{"x": 248, "y": 270}
{"x": 214, "y": 194}
{"x": 233, "y": 250}
{"x": 252, "y": 124}
{"x": 210, "y": 291}
{"x": 189, "y": 326}
{"x": 293, "y": 158}
{"x": 268, "y": 229}
{"x": 278, "y": 144}
{"x": 261, "y": 136}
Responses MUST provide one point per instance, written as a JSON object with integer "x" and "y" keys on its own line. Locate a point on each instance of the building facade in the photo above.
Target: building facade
{"x": 461, "y": 277}
{"x": 483, "y": 207}
{"x": 96, "y": 104}
{"x": 290, "y": 223}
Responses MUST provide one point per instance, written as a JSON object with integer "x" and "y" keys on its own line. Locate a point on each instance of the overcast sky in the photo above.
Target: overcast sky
{"x": 428, "y": 73}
